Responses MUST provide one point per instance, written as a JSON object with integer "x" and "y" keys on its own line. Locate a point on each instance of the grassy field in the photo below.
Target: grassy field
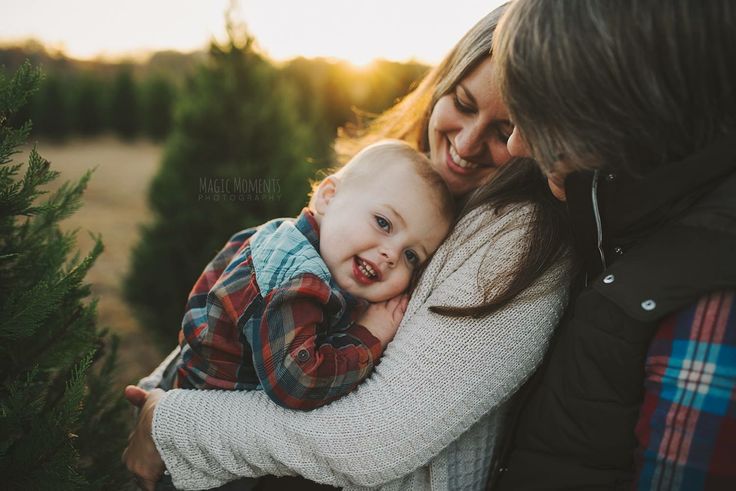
{"x": 114, "y": 206}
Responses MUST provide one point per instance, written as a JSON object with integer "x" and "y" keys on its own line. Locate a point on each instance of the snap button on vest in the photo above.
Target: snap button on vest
{"x": 608, "y": 279}
{"x": 649, "y": 305}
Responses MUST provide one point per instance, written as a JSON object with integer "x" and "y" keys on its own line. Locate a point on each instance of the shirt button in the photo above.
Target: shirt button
{"x": 302, "y": 355}
{"x": 649, "y": 305}
{"x": 608, "y": 279}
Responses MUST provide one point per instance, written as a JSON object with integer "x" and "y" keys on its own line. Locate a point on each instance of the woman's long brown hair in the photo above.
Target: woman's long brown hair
{"x": 520, "y": 181}
{"x": 517, "y": 182}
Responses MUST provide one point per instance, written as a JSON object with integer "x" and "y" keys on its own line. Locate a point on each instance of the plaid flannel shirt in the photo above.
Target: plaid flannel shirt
{"x": 266, "y": 314}
{"x": 687, "y": 426}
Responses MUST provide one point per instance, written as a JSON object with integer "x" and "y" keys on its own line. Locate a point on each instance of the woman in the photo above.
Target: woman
{"x": 476, "y": 327}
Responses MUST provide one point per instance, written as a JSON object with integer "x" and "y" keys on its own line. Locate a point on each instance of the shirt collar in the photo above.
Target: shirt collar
{"x": 351, "y": 305}
{"x": 307, "y": 224}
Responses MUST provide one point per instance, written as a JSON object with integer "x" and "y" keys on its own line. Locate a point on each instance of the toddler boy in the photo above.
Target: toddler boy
{"x": 303, "y": 308}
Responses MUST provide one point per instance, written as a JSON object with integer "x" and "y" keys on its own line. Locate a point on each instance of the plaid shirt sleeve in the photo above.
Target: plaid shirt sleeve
{"x": 300, "y": 363}
{"x": 687, "y": 425}
{"x": 213, "y": 270}
{"x": 207, "y": 332}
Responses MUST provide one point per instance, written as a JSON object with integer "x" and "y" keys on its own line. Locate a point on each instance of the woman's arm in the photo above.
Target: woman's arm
{"x": 437, "y": 378}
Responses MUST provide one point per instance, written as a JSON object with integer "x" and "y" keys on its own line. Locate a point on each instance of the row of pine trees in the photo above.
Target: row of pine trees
{"x": 63, "y": 423}
{"x": 138, "y": 100}
{"x": 89, "y": 104}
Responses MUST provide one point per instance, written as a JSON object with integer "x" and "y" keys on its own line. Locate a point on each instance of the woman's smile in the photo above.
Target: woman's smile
{"x": 467, "y": 131}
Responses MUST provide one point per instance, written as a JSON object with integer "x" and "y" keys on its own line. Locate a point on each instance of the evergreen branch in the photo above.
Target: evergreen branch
{"x": 69, "y": 410}
{"x": 26, "y": 310}
{"x": 15, "y": 93}
{"x": 11, "y": 139}
{"x": 64, "y": 202}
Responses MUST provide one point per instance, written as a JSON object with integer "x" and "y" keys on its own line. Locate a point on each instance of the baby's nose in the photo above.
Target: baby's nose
{"x": 389, "y": 256}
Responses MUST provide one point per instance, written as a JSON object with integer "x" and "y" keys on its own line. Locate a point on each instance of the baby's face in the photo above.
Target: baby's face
{"x": 376, "y": 231}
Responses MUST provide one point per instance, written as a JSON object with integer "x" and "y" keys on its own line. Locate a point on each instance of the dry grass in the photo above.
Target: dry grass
{"x": 114, "y": 206}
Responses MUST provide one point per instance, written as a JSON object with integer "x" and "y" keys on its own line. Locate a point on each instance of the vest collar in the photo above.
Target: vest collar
{"x": 611, "y": 212}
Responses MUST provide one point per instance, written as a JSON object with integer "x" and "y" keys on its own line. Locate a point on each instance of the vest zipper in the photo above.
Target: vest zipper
{"x": 597, "y": 214}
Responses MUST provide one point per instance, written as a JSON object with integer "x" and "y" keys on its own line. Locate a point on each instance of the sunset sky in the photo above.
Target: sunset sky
{"x": 357, "y": 31}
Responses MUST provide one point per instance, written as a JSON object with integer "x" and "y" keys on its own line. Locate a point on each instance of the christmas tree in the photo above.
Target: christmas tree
{"x": 123, "y": 111}
{"x": 237, "y": 156}
{"x": 62, "y": 422}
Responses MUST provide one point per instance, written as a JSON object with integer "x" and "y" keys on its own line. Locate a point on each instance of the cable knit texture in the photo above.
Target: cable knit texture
{"x": 428, "y": 416}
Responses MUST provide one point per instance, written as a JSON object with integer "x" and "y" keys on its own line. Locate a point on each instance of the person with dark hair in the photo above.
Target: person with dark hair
{"x": 476, "y": 327}
{"x": 630, "y": 108}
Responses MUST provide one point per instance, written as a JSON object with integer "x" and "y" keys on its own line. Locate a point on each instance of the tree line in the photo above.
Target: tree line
{"x": 139, "y": 99}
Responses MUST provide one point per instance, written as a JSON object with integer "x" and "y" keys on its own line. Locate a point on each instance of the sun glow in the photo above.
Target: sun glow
{"x": 358, "y": 32}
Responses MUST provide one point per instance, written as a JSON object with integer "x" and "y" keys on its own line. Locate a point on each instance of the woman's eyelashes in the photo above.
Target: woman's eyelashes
{"x": 460, "y": 105}
{"x": 500, "y": 131}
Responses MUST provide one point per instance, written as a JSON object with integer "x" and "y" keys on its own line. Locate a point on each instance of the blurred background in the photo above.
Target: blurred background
{"x": 201, "y": 118}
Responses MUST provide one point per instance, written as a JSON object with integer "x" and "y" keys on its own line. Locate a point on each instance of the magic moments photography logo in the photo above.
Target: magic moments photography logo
{"x": 238, "y": 189}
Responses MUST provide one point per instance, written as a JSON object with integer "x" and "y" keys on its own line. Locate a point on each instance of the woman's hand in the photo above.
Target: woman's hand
{"x": 141, "y": 456}
{"x": 382, "y": 319}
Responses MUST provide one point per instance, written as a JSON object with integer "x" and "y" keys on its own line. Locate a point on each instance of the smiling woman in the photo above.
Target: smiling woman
{"x": 477, "y": 324}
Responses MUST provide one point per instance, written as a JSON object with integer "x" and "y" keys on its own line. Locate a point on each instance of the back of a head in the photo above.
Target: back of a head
{"x": 628, "y": 83}
{"x": 369, "y": 162}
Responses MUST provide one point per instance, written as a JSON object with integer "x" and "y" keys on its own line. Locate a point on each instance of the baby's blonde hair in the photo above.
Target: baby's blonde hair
{"x": 366, "y": 164}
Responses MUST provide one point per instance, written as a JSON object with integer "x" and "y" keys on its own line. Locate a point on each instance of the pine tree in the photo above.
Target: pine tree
{"x": 124, "y": 104}
{"x": 60, "y": 423}
{"x": 158, "y": 95}
{"x": 87, "y": 104}
{"x": 51, "y": 108}
{"x": 235, "y": 126}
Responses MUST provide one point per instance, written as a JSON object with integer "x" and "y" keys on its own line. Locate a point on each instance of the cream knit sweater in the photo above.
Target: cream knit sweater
{"x": 428, "y": 416}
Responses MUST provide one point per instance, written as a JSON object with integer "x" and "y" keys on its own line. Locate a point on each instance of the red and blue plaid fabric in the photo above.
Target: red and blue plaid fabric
{"x": 266, "y": 314}
{"x": 687, "y": 426}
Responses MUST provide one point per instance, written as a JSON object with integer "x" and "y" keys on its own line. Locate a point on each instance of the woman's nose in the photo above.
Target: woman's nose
{"x": 517, "y": 145}
{"x": 468, "y": 141}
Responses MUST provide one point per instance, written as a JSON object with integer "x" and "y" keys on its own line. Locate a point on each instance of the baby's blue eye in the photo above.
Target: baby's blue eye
{"x": 383, "y": 223}
{"x": 412, "y": 257}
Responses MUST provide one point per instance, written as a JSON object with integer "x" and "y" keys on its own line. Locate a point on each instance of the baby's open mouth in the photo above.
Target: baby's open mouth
{"x": 365, "y": 271}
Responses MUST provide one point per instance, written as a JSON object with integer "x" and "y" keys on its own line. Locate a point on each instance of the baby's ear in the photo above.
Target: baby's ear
{"x": 325, "y": 193}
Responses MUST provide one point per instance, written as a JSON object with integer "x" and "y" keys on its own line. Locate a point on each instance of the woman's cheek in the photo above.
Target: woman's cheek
{"x": 438, "y": 126}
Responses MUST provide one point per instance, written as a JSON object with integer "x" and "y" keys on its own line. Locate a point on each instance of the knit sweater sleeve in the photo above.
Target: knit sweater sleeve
{"x": 438, "y": 377}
